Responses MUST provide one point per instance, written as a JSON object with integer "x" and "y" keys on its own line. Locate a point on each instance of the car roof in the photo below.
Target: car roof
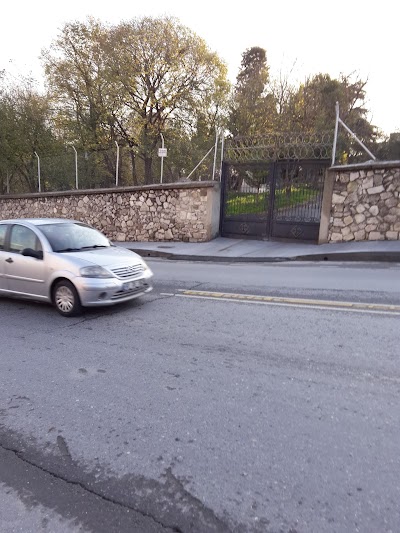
{"x": 38, "y": 221}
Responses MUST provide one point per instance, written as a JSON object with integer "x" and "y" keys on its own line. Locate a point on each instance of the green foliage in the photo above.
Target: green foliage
{"x": 261, "y": 105}
{"x": 26, "y": 129}
{"x": 131, "y": 82}
{"x": 245, "y": 203}
{"x": 389, "y": 148}
{"x": 252, "y": 106}
{"x": 312, "y": 109}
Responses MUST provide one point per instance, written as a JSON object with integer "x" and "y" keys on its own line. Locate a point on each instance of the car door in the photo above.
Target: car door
{"x": 3, "y": 231}
{"x": 24, "y": 275}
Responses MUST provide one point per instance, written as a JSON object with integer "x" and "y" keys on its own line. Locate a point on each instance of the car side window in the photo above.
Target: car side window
{"x": 21, "y": 238}
{"x": 3, "y": 230}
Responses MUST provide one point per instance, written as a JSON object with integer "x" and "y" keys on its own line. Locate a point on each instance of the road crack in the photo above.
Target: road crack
{"x": 62, "y": 444}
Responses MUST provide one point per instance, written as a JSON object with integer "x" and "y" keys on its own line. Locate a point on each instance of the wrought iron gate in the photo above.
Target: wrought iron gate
{"x": 267, "y": 195}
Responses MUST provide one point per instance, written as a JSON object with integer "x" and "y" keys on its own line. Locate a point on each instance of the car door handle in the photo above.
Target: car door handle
{"x": 9, "y": 260}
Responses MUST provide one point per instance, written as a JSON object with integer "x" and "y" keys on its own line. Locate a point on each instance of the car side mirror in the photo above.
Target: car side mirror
{"x": 29, "y": 252}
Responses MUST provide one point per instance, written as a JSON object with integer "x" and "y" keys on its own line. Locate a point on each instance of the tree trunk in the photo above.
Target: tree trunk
{"x": 133, "y": 164}
{"x": 148, "y": 163}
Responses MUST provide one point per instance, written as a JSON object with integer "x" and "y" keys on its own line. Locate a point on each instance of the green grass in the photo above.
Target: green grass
{"x": 242, "y": 203}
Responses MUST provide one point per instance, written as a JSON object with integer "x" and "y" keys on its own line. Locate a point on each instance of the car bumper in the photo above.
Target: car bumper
{"x": 95, "y": 292}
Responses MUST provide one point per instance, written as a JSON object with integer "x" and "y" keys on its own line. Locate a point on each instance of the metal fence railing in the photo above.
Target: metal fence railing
{"x": 71, "y": 169}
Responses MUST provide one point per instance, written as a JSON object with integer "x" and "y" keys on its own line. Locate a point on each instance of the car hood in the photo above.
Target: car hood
{"x": 106, "y": 256}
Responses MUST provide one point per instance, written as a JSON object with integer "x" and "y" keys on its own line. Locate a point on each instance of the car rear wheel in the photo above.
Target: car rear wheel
{"x": 66, "y": 299}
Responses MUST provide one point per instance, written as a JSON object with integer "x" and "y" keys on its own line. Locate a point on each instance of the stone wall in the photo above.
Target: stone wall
{"x": 364, "y": 203}
{"x": 176, "y": 212}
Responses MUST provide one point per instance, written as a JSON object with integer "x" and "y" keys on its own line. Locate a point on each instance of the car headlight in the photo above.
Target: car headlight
{"x": 144, "y": 265}
{"x": 95, "y": 272}
{"x": 147, "y": 268}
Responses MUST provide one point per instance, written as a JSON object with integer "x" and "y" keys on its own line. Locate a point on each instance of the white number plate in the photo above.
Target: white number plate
{"x": 130, "y": 285}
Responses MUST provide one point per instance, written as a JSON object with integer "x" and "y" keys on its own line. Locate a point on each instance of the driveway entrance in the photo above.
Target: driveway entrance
{"x": 273, "y": 197}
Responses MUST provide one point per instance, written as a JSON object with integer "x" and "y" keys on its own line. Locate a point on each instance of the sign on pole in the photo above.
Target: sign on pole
{"x": 162, "y": 152}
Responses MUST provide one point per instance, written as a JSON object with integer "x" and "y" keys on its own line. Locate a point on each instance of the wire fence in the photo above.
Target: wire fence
{"x": 69, "y": 170}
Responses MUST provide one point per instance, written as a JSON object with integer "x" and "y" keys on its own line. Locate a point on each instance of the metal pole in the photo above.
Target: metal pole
{"x": 8, "y": 182}
{"x": 162, "y": 158}
{"x": 222, "y": 154}
{"x": 357, "y": 139}
{"x": 76, "y": 167}
{"x": 38, "y": 166}
{"x": 215, "y": 152}
{"x": 198, "y": 164}
{"x": 336, "y": 134}
{"x": 117, "y": 165}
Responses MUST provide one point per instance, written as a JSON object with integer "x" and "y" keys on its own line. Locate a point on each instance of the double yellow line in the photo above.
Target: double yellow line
{"x": 296, "y": 302}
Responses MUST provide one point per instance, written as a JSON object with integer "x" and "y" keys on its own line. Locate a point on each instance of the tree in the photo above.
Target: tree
{"x": 252, "y": 106}
{"x": 389, "y": 148}
{"x": 312, "y": 109}
{"x": 133, "y": 81}
{"x": 80, "y": 90}
{"x": 283, "y": 91}
{"x": 168, "y": 76}
{"x": 26, "y": 128}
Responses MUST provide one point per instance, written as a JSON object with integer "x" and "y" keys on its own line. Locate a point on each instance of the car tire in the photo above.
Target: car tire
{"x": 66, "y": 299}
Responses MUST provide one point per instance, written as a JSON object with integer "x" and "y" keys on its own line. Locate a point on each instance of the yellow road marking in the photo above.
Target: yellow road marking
{"x": 304, "y": 302}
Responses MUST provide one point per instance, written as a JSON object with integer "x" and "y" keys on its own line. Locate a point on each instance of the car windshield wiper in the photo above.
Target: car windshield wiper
{"x": 68, "y": 250}
{"x": 82, "y": 248}
{"x": 94, "y": 246}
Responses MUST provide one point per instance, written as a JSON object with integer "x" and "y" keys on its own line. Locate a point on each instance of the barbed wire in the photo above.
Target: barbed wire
{"x": 277, "y": 146}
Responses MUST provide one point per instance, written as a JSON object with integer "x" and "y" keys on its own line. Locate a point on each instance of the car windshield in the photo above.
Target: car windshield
{"x": 73, "y": 237}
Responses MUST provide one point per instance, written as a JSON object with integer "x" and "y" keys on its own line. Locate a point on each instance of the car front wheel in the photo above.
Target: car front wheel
{"x": 66, "y": 299}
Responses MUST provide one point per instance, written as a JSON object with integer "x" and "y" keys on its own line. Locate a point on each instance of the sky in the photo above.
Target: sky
{"x": 302, "y": 37}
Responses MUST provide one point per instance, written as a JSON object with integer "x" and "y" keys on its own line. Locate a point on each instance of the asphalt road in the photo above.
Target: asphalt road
{"x": 232, "y": 398}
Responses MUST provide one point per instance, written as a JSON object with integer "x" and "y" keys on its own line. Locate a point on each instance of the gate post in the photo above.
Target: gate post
{"x": 224, "y": 167}
{"x": 326, "y": 207}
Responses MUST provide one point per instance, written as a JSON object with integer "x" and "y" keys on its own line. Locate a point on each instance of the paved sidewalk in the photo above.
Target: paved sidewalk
{"x": 246, "y": 250}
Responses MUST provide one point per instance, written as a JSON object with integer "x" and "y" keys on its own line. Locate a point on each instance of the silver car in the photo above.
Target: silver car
{"x": 69, "y": 264}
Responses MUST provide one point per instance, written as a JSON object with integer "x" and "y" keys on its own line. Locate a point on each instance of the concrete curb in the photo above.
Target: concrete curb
{"x": 388, "y": 257}
{"x": 379, "y": 257}
{"x": 208, "y": 258}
